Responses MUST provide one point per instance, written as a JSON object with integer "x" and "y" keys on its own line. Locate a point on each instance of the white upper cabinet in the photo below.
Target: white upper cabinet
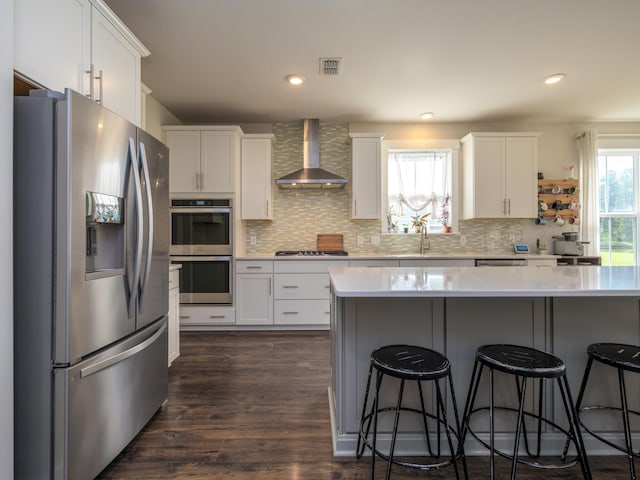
{"x": 117, "y": 64}
{"x": 256, "y": 185}
{"x": 500, "y": 175}
{"x": 57, "y": 43}
{"x": 203, "y": 159}
{"x": 365, "y": 175}
{"x": 184, "y": 160}
{"x": 53, "y": 42}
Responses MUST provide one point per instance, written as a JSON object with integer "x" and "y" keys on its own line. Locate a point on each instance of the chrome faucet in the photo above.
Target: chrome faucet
{"x": 424, "y": 240}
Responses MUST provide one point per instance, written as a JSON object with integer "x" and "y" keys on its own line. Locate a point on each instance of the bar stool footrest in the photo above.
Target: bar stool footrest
{"x": 591, "y": 408}
{"x": 419, "y": 466}
{"x": 521, "y": 460}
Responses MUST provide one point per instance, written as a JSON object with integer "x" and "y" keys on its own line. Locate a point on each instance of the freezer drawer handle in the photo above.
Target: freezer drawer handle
{"x": 119, "y": 357}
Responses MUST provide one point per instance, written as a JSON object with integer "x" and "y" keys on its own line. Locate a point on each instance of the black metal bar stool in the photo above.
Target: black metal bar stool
{"x": 623, "y": 358}
{"x": 523, "y": 363}
{"x": 418, "y": 364}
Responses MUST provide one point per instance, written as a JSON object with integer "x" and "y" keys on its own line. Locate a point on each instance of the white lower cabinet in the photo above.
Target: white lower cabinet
{"x": 254, "y": 299}
{"x": 542, "y": 262}
{"x": 254, "y": 292}
{"x": 373, "y": 263}
{"x": 206, "y": 315}
{"x": 302, "y": 292}
{"x": 439, "y": 262}
{"x": 174, "y": 315}
{"x": 301, "y": 312}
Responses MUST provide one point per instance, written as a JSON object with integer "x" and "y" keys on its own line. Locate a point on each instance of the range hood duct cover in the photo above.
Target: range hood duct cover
{"x": 311, "y": 175}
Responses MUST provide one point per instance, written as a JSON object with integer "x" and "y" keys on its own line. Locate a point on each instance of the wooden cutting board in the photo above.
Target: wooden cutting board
{"x": 330, "y": 242}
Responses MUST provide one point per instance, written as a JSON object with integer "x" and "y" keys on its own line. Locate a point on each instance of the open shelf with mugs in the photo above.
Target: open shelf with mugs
{"x": 559, "y": 198}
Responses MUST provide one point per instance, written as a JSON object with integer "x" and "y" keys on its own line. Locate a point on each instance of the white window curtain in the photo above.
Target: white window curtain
{"x": 587, "y": 143}
{"x": 418, "y": 179}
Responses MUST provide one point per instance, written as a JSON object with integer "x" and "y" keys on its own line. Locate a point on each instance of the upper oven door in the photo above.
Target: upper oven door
{"x": 201, "y": 231}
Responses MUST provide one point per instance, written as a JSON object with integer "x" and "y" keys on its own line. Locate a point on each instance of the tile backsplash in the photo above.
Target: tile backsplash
{"x": 299, "y": 215}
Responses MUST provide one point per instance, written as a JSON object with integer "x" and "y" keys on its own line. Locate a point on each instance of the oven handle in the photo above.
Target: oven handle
{"x": 201, "y": 258}
{"x": 201, "y": 210}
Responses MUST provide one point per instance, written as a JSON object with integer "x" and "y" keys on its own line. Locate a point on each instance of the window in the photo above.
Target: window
{"x": 419, "y": 185}
{"x": 618, "y": 194}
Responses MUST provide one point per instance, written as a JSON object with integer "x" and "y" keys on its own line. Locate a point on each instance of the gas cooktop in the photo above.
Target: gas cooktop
{"x": 311, "y": 253}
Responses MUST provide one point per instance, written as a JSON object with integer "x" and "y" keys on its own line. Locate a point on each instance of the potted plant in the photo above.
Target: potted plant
{"x": 418, "y": 222}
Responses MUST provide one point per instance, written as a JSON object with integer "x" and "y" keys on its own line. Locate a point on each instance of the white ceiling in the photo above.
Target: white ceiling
{"x": 466, "y": 60}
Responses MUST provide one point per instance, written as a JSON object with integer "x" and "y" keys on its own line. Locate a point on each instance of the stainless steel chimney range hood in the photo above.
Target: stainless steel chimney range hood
{"x": 311, "y": 175}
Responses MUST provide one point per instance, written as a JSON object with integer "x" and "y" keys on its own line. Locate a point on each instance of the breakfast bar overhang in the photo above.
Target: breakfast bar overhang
{"x": 454, "y": 310}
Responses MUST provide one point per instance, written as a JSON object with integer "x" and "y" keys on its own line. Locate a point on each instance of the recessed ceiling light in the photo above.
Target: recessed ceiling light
{"x": 426, "y": 115}
{"x": 555, "y": 78}
{"x": 295, "y": 79}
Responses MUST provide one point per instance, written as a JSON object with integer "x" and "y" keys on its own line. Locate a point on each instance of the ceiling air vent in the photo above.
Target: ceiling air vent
{"x": 331, "y": 66}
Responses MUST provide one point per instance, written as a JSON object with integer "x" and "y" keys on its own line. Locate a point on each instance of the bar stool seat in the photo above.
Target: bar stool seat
{"x": 417, "y": 364}
{"x": 524, "y": 363}
{"x": 622, "y": 357}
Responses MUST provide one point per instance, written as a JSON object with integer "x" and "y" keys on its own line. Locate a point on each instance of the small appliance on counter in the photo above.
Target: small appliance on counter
{"x": 568, "y": 244}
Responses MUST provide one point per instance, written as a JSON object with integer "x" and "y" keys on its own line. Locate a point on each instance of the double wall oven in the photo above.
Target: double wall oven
{"x": 202, "y": 242}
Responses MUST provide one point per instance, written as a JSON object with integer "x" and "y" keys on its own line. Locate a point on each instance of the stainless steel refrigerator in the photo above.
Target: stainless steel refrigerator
{"x": 91, "y": 244}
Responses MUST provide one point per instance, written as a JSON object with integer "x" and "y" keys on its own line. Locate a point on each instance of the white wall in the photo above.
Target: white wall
{"x": 6, "y": 265}
{"x": 157, "y": 115}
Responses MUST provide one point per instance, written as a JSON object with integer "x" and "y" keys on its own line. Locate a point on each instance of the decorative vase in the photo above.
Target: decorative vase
{"x": 447, "y": 229}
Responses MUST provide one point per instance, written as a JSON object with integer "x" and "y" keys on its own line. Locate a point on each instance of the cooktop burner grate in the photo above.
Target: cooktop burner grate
{"x": 311, "y": 253}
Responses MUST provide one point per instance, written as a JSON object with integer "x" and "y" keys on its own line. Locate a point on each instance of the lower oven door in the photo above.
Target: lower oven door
{"x": 205, "y": 279}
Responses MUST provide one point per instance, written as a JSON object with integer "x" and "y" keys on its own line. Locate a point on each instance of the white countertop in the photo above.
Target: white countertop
{"x": 563, "y": 281}
{"x": 404, "y": 256}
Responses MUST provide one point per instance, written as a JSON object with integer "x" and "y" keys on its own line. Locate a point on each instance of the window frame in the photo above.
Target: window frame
{"x": 422, "y": 144}
{"x": 622, "y": 146}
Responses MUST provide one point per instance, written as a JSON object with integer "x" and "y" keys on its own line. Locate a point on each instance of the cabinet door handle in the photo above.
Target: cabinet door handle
{"x": 267, "y": 212}
{"x": 91, "y": 91}
{"x": 509, "y": 206}
{"x": 269, "y": 286}
{"x": 201, "y": 181}
{"x": 504, "y": 206}
{"x": 100, "y": 78}
{"x": 290, "y": 286}
{"x": 253, "y": 267}
{"x": 185, "y": 316}
{"x": 216, "y": 316}
{"x": 290, "y": 313}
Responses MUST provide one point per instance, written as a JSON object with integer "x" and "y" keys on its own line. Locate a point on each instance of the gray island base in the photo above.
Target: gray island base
{"x": 456, "y": 309}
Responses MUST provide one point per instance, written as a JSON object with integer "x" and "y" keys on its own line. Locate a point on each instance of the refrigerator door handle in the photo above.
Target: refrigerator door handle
{"x": 140, "y": 225}
{"x": 147, "y": 182}
{"x": 119, "y": 357}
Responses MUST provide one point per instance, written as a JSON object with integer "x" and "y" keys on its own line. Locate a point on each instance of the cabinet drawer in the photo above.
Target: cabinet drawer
{"x": 301, "y": 312}
{"x": 206, "y": 315}
{"x": 257, "y": 266}
{"x": 301, "y": 286}
{"x": 174, "y": 279}
{"x": 439, "y": 262}
{"x": 307, "y": 266}
{"x": 373, "y": 263}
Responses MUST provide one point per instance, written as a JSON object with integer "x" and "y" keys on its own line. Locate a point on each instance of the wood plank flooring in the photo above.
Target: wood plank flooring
{"x": 253, "y": 405}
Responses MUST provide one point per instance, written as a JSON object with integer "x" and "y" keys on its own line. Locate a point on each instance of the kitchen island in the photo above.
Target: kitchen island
{"x": 456, "y": 309}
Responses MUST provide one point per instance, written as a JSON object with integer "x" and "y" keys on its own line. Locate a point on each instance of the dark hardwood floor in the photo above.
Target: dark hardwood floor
{"x": 254, "y": 406}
